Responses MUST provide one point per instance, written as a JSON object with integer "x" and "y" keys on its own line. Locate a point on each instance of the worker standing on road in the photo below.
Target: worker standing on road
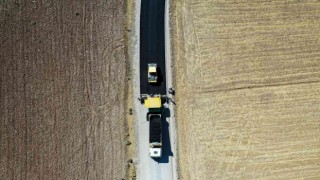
{"x": 171, "y": 91}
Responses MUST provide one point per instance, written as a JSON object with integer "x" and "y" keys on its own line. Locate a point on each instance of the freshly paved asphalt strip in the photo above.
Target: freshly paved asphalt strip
{"x": 152, "y": 45}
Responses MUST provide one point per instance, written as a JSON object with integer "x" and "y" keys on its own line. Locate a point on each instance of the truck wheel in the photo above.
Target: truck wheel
{"x": 147, "y": 116}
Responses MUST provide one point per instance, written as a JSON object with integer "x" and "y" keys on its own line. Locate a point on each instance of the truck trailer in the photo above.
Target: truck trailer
{"x": 155, "y": 134}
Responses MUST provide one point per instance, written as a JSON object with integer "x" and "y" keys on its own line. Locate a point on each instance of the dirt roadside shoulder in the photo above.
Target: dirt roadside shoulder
{"x": 131, "y": 169}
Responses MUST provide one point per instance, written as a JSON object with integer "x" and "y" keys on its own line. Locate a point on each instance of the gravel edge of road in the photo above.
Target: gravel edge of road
{"x": 169, "y": 13}
{"x": 133, "y": 49}
{"x": 172, "y": 30}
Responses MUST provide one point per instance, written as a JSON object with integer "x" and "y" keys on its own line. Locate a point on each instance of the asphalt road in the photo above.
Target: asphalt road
{"x": 152, "y": 45}
{"x": 165, "y": 167}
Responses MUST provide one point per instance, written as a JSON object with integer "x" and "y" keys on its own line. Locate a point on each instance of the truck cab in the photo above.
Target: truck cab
{"x": 152, "y": 73}
{"x": 155, "y": 152}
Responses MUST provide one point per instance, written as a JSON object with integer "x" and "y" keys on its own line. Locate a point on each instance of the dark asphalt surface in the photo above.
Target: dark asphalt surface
{"x": 152, "y": 45}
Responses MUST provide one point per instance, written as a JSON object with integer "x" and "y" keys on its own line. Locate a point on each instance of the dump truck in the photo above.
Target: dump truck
{"x": 153, "y": 103}
{"x": 152, "y": 73}
{"x": 155, "y": 134}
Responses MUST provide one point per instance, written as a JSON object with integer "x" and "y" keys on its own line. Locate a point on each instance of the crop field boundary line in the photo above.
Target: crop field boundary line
{"x": 260, "y": 86}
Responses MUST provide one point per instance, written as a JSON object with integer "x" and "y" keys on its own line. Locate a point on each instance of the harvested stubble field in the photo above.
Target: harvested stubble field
{"x": 62, "y": 90}
{"x": 248, "y": 89}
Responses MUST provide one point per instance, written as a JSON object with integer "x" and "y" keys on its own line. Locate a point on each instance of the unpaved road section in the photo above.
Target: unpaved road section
{"x": 248, "y": 91}
{"x": 62, "y": 90}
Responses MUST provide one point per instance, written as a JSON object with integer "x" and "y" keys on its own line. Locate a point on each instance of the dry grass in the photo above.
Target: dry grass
{"x": 62, "y": 90}
{"x": 248, "y": 91}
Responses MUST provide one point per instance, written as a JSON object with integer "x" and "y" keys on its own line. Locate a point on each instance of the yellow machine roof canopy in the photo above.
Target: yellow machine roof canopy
{"x": 152, "y": 102}
{"x": 152, "y": 69}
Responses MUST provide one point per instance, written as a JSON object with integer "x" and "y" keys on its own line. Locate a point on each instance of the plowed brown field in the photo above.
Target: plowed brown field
{"x": 248, "y": 89}
{"x": 62, "y": 90}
